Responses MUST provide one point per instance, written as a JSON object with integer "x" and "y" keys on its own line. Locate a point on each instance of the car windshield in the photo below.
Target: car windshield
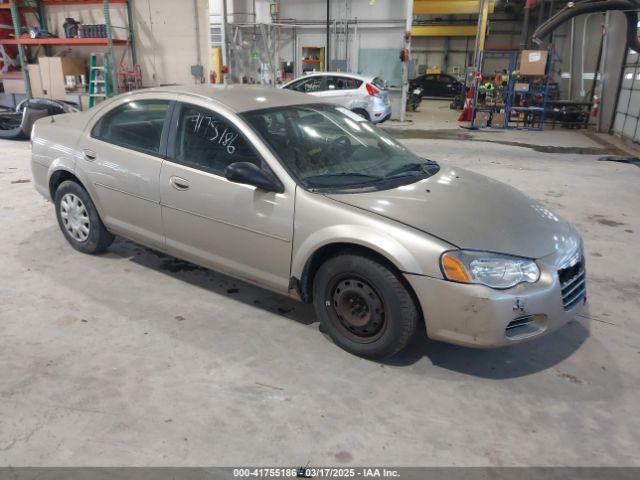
{"x": 329, "y": 147}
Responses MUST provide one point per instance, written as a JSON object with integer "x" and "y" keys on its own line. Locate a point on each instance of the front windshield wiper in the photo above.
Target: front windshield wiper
{"x": 370, "y": 179}
{"x": 344, "y": 174}
{"x": 428, "y": 166}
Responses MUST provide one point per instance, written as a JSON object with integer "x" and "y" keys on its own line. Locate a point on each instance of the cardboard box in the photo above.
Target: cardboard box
{"x": 13, "y": 85}
{"x": 35, "y": 80}
{"x": 521, "y": 87}
{"x": 48, "y": 77}
{"x": 533, "y": 62}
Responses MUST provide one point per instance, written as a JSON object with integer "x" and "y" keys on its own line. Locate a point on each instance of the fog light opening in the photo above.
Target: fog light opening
{"x": 526, "y": 326}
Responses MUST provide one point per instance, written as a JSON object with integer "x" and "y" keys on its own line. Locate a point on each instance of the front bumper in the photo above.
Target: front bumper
{"x": 479, "y": 316}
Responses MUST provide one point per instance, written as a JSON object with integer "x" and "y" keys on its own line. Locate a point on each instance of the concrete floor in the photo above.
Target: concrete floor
{"x": 132, "y": 358}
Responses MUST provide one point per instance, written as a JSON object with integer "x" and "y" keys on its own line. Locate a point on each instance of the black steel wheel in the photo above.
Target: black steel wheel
{"x": 364, "y": 306}
{"x": 357, "y": 309}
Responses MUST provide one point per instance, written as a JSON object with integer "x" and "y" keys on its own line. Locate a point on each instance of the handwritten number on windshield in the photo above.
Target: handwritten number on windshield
{"x": 210, "y": 129}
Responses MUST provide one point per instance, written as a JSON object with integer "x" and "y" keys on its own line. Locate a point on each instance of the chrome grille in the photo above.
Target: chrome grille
{"x": 573, "y": 284}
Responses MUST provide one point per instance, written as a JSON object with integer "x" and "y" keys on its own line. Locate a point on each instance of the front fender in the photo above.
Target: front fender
{"x": 322, "y": 221}
{"x": 365, "y": 237}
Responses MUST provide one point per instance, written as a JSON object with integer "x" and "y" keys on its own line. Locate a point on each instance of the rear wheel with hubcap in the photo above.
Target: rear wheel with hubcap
{"x": 364, "y": 306}
{"x": 79, "y": 219}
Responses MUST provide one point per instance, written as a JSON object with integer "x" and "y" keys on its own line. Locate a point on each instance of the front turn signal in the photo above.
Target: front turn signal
{"x": 454, "y": 269}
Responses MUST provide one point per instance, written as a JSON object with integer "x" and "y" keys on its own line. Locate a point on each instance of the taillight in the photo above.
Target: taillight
{"x": 371, "y": 90}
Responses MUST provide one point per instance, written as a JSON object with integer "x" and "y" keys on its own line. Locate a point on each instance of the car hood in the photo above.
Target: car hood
{"x": 472, "y": 211}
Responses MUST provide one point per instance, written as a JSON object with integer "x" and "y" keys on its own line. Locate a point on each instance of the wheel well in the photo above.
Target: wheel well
{"x": 362, "y": 112}
{"x": 61, "y": 176}
{"x": 305, "y": 284}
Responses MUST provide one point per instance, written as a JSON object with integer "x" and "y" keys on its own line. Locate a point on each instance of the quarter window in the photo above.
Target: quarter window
{"x": 136, "y": 125}
{"x": 207, "y": 142}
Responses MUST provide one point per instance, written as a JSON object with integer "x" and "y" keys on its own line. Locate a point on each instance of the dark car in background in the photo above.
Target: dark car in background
{"x": 437, "y": 85}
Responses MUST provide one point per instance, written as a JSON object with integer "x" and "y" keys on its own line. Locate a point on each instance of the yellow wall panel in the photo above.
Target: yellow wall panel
{"x": 448, "y": 7}
{"x": 444, "y": 30}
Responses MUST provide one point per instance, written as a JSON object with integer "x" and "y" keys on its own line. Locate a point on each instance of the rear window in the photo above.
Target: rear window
{"x": 380, "y": 83}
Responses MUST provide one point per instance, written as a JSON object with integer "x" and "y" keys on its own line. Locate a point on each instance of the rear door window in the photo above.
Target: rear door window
{"x": 343, "y": 83}
{"x": 137, "y": 125}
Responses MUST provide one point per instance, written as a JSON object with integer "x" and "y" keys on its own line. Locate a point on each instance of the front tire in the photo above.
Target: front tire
{"x": 364, "y": 306}
{"x": 79, "y": 220}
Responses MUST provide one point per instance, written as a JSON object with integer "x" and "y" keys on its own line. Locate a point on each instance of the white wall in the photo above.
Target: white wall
{"x": 426, "y": 51}
{"x": 165, "y": 35}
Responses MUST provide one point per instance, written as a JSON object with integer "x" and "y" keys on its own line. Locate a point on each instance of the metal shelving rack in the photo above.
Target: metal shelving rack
{"x": 512, "y": 57}
{"x": 39, "y": 6}
{"x": 538, "y": 113}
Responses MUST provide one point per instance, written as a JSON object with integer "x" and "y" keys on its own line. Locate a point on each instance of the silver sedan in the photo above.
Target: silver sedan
{"x": 310, "y": 200}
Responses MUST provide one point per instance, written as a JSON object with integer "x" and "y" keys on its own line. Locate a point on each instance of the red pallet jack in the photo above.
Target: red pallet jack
{"x": 129, "y": 80}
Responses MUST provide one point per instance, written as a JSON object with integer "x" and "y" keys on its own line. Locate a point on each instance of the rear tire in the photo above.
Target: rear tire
{"x": 363, "y": 113}
{"x": 79, "y": 220}
{"x": 364, "y": 306}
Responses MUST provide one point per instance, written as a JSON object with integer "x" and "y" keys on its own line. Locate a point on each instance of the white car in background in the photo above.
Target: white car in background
{"x": 366, "y": 96}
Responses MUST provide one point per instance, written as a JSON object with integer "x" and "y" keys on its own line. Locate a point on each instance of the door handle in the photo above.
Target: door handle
{"x": 89, "y": 155}
{"x": 179, "y": 183}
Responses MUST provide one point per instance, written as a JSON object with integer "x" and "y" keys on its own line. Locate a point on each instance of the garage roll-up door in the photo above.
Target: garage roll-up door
{"x": 626, "y": 123}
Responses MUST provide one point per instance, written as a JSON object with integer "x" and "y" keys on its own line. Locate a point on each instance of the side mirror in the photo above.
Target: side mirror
{"x": 250, "y": 174}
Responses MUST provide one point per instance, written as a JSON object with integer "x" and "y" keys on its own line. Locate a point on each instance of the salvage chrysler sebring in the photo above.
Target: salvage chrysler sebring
{"x": 311, "y": 200}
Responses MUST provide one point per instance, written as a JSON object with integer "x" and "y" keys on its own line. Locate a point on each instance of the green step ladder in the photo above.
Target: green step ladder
{"x": 99, "y": 78}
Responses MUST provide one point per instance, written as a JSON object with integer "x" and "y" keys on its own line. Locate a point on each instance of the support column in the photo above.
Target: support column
{"x": 112, "y": 56}
{"x": 481, "y": 32}
{"x": 15, "y": 16}
{"x": 327, "y": 51}
{"x": 132, "y": 38}
{"x": 223, "y": 34}
{"x": 405, "y": 65}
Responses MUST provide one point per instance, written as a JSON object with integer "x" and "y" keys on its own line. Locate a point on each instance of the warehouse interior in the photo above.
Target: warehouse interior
{"x": 137, "y": 358}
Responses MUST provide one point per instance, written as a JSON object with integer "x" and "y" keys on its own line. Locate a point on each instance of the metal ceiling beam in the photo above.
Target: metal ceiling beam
{"x": 449, "y": 7}
{"x": 444, "y": 30}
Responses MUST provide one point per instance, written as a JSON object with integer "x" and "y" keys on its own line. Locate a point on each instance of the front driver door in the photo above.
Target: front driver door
{"x": 234, "y": 228}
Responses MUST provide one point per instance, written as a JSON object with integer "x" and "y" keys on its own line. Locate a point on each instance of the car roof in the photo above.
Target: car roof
{"x": 364, "y": 78}
{"x": 239, "y": 98}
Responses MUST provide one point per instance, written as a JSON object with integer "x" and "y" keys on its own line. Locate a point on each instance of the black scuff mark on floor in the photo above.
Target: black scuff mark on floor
{"x": 621, "y": 159}
{"x": 175, "y": 265}
{"x": 22, "y": 180}
{"x": 607, "y": 222}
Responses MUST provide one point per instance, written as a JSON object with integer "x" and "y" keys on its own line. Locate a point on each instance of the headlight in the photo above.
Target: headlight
{"x": 491, "y": 269}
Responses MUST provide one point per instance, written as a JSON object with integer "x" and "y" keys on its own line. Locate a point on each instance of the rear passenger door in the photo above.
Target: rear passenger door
{"x": 340, "y": 90}
{"x": 122, "y": 153}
